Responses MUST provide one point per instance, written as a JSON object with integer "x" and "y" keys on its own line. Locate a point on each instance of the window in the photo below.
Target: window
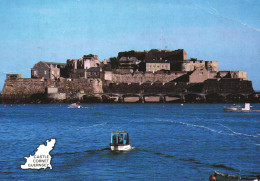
{"x": 45, "y": 72}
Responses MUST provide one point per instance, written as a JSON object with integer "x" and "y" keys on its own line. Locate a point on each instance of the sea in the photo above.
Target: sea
{"x": 169, "y": 141}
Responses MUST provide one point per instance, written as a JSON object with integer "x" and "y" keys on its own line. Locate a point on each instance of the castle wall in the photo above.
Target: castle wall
{"x": 228, "y": 86}
{"x": 77, "y": 85}
{"x": 200, "y": 75}
{"x": 143, "y": 77}
{"x": 154, "y": 54}
{"x": 190, "y": 65}
{"x": 153, "y": 88}
{"x": 176, "y": 55}
{"x": 36, "y": 86}
{"x": 23, "y": 86}
{"x": 233, "y": 74}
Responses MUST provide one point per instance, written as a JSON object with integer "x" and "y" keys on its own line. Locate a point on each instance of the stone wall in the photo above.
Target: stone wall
{"x": 153, "y": 88}
{"x": 141, "y": 77}
{"x": 23, "y": 86}
{"x": 228, "y": 86}
{"x": 154, "y": 54}
{"x": 176, "y": 55}
{"x": 223, "y": 86}
{"x": 190, "y": 65}
{"x": 233, "y": 74}
{"x": 39, "y": 86}
{"x": 13, "y": 76}
{"x": 200, "y": 75}
{"x": 77, "y": 85}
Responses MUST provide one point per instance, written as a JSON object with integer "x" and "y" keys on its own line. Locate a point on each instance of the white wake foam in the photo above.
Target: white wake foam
{"x": 230, "y": 131}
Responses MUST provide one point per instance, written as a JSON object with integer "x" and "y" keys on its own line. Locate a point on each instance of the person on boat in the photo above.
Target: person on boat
{"x": 212, "y": 178}
{"x": 120, "y": 139}
{"x": 114, "y": 139}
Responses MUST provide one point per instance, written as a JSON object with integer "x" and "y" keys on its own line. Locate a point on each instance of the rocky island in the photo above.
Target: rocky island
{"x": 132, "y": 76}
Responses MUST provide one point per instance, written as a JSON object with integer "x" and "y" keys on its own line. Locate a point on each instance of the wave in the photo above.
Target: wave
{"x": 94, "y": 125}
{"x": 224, "y": 167}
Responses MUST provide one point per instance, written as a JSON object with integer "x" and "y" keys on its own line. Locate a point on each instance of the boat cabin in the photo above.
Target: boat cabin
{"x": 119, "y": 138}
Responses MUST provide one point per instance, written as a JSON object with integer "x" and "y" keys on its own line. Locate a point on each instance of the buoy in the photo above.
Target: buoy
{"x": 212, "y": 178}
{"x": 181, "y": 104}
{"x": 4, "y": 106}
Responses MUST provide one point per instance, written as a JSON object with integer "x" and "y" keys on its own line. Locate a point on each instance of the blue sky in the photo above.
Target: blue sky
{"x": 50, "y": 30}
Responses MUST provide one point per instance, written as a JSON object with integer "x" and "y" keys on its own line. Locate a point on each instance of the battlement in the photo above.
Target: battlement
{"x": 13, "y": 76}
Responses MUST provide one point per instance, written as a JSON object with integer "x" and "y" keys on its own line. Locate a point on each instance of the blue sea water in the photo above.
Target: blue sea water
{"x": 171, "y": 142}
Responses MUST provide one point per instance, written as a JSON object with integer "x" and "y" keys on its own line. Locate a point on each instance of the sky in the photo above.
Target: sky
{"x": 56, "y": 30}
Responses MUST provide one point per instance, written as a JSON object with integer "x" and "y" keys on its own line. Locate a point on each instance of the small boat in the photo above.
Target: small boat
{"x": 217, "y": 176}
{"x": 75, "y": 105}
{"x": 233, "y": 108}
{"x": 238, "y": 108}
{"x": 120, "y": 141}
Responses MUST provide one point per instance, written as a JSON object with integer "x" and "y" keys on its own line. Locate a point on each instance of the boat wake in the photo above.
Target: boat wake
{"x": 177, "y": 158}
{"x": 226, "y": 131}
{"x": 191, "y": 161}
{"x": 88, "y": 151}
{"x": 237, "y": 133}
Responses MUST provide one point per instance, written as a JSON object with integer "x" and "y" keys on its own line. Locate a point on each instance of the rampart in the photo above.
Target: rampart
{"x": 154, "y": 88}
{"x": 140, "y": 77}
{"x": 224, "y": 86}
{"x": 91, "y": 90}
{"x": 36, "y": 90}
{"x": 228, "y": 86}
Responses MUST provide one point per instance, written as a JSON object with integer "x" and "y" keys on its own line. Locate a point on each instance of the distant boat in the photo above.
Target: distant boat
{"x": 238, "y": 108}
{"x": 226, "y": 177}
{"x": 74, "y": 105}
{"x": 120, "y": 141}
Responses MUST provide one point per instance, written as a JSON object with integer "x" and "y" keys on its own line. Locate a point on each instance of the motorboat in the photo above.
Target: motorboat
{"x": 120, "y": 141}
{"x": 233, "y": 108}
{"x": 238, "y": 108}
{"x": 75, "y": 105}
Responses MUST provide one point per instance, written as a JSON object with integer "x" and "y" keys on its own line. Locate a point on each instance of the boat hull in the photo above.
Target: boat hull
{"x": 121, "y": 148}
{"x": 226, "y": 177}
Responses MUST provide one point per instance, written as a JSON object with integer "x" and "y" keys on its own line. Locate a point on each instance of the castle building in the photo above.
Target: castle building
{"x": 128, "y": 62}
{"x": 157, "y": 65}
{"x": 94, "y": 72}
{"x": 48, "y": 70}
{"x": 77, "y": 68}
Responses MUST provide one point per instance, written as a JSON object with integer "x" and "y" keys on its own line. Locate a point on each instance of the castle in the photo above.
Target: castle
{"x": 132, "y": 76}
